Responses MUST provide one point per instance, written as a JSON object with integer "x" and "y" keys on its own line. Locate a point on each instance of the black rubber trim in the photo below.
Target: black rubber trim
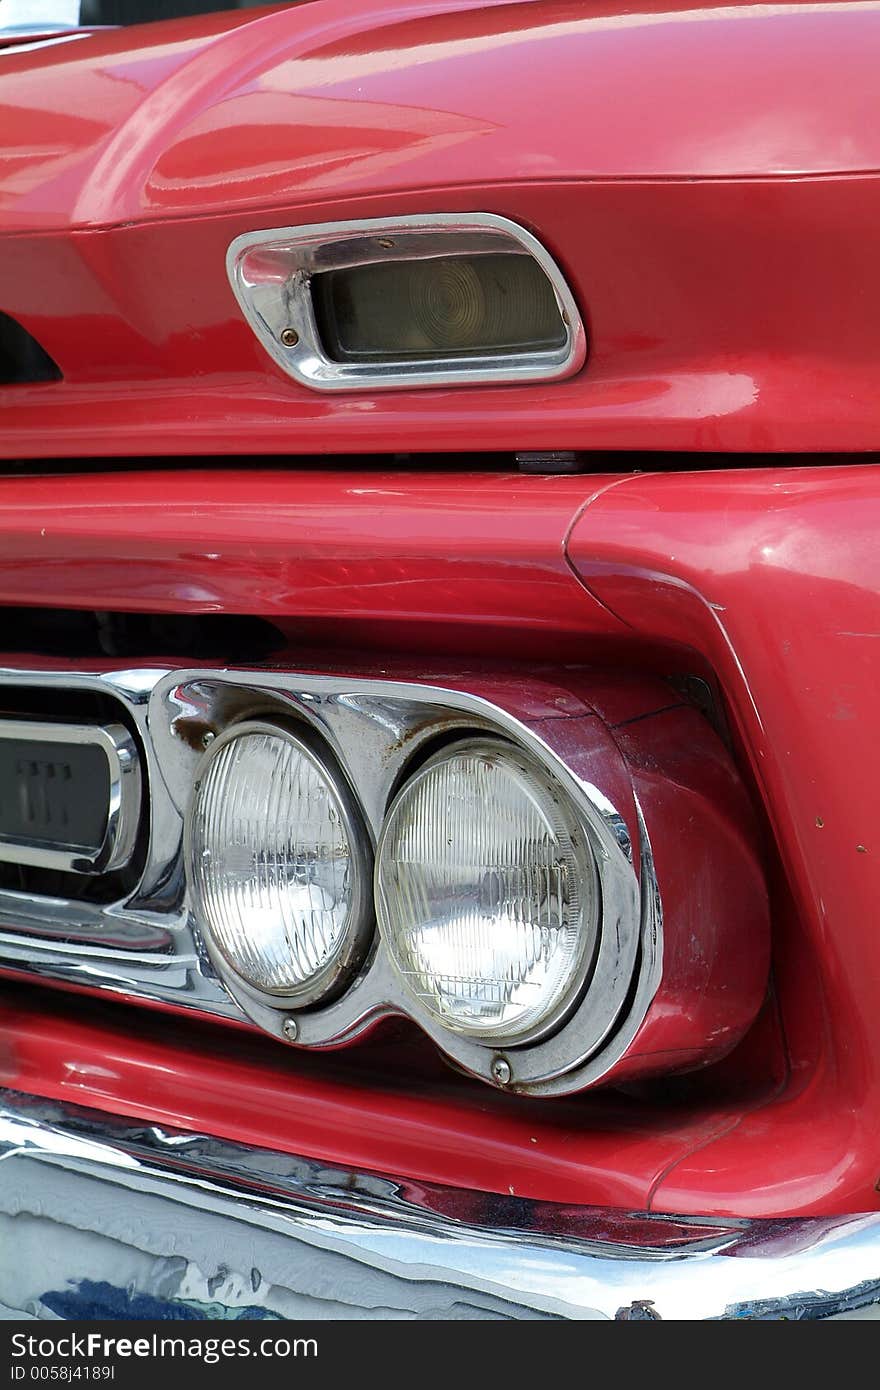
{"x": 22, "y": 359}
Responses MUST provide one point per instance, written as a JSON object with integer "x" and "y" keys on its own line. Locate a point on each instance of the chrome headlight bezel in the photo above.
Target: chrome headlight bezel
{"x": 680, "y": 969}
{"x": 270, "y": 274}
{"x": 625, "y": 963}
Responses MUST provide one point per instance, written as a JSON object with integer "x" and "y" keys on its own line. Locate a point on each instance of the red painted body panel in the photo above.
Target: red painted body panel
{"x": 775, "y": 578}
{"x": 389, "y": 1113}
{"x": 769, "y": 576}
{"x": 716, "y": 930}
{"x": 247, "y": 111}
{"x": 358, "y": 547}
{"x": 709, "y": 179}
{"x": 688, "y": 239}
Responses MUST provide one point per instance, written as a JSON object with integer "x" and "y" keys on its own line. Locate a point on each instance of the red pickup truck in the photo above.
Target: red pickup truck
{"x": 440, "y": 613}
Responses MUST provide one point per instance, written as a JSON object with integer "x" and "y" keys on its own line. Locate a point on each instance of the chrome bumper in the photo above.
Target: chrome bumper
{"x": 102, "y": 1217}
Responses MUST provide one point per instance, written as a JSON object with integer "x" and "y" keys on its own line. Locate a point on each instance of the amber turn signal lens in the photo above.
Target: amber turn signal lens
{"x": 438, "y": 307}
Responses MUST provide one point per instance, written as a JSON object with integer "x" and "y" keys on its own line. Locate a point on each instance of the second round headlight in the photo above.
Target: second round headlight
{"x": 278, "y": 865}
{"x": 487, "y": 892}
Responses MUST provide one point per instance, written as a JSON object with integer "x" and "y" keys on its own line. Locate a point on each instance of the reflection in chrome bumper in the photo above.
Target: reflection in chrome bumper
{"x": 102, "y": 1217}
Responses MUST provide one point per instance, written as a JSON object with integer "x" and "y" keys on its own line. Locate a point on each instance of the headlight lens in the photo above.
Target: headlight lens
{"x": 277, "y": 864}
{"x": 487, "y": 892}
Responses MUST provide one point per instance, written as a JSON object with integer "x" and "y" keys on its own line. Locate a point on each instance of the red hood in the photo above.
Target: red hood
{"x": 706, "y": 178}
{"x": 351, "y": 97}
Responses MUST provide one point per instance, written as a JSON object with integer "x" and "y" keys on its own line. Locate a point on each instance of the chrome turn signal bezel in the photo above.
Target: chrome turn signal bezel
{"x": 271, "y": 271}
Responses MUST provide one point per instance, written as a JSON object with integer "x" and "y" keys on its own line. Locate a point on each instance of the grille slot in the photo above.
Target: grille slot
{"x": 36, "y": 705}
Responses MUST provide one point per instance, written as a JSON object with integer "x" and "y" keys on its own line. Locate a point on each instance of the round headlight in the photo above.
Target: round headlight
{"x": 277, "y": 863}
{"x": 487, "y": 892}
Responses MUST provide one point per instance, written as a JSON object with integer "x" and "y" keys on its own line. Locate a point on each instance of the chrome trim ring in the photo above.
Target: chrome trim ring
{"x": 279, "y": 307}
{"x": 357, "y": 932}
{"x": 123, "y": 806}
{"x": 577, "y": 826}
